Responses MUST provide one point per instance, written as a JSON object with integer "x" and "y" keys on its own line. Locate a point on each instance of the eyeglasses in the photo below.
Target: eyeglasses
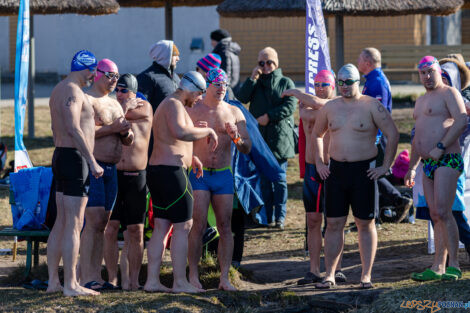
{"x": 348, "y": 82}
{"x": 268, "y": 62}
{"x": 219, "y": 85}
{"x": 109, "y": 75}
{"x": 123, "y": 90}
{"x": 92, "y": 69}
{"x": 323, "y": 85}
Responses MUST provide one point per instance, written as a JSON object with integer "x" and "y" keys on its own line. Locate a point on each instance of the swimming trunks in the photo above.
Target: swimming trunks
{"x": 452, "y": 160}
{"x": 348, "y": 185}
{"x": 131, "y": 199}
{"x": 103, "y": 190}
{"x": 70, "y": 171}
{"x": 172, "y": 195}
{"x": 217, "y": 181}
{"x": 313, "y": 190}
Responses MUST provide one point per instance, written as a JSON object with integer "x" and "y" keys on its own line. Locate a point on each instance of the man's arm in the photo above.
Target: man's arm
{"x": 141, "y": 112}
{"x": 319, "y": 130}
{"x": 71, "y": 113}
{"x": 241, "y": 140}
{"x": 456, "y": 107}
{"x": 414, "y": 161}
{"x": 383, "y": 120}
{"x": 307, "y": 99}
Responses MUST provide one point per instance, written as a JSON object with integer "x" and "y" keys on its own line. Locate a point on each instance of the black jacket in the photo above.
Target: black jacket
{"x": 228, "y": 51}
{"x": 156, "y": 83}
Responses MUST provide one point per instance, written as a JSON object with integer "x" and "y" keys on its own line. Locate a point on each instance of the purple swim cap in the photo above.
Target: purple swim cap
{"x": 429, "y": 61}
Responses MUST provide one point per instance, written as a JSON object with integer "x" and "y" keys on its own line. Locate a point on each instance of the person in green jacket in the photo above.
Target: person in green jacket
{"x": 276, "y": 123}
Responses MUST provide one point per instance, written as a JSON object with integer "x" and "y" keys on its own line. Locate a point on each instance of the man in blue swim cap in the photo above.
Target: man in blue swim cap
{"x": 73, "y": 128}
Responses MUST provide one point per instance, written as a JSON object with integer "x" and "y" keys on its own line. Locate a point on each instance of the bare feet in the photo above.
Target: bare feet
{"x": 195, "y": 282}
{"x": 227, "y": 286}
{"x": 79, "y": 291}
{"x": 156, "y": 287}
{"x": 185, "y": 287}
{"x": 54, "y": 287}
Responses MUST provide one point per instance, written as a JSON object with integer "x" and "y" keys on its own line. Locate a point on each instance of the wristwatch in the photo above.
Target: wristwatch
{"x": 440, "y": 146}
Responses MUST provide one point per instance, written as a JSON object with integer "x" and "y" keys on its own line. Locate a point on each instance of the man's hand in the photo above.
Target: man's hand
{"x": 133, "y": 103}
{"x": 231, "y": 130}
{"x": 436, "y": 153}
{"x": 196, "y": 164}
{"x": 96, "y": 169}
{"x": 257, "y": 71}
{"x": 263, "y": 120}
{"x": 409, "y": 178}
{"x": 120, "y": 125}
{"x": 201, "y": 124}
{"x": 212, "y": 140}
{"x": 323, "y": 170}
{"x": 375, "y": 173}
{"x": 290, "y": 93}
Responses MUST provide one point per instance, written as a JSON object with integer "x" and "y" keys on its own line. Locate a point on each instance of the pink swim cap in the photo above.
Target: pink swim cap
{"x": 325, "y": 76}
{"x": 105, "y": 65}
{"x": 429, "y": 61}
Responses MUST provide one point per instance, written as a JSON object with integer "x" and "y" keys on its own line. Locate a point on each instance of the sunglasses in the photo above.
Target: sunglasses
{"x": 123, "y": 90}
{"x": 348, "y": 82}
{"x": 268, "y": 62}
{"x": 109, "y": 75}
{"x": 323, "y": 85}
{"x": 91, "y": 68}
{"x": 219, "y": 85}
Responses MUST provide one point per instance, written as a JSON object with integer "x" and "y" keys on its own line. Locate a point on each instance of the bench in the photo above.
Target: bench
{"x": 399, "y": 62}
{"x": 33, "y": 238}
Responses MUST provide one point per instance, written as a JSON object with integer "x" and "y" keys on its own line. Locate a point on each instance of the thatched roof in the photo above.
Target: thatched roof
{"x": 88, "y": 7}
{"x": 263, "y": 8}
{"x": 161, "y": 3}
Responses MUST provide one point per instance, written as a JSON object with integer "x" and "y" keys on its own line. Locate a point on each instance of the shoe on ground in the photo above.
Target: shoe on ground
{"x": 271, "y": 225}
{"x": 309, "y": 278}
{"x": 279, "y": 225}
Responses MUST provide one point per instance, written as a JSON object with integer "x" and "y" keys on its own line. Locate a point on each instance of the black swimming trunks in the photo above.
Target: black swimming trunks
{"x": 348, "y": 185}
{"x": 172, "y": 195}
{"x": 70, "y": 171}
{"x": 131, "y": 199}
{"x": 313, "y": 190}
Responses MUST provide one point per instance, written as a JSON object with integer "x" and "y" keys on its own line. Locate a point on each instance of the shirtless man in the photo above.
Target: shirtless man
{"x": 74, "y": 138}
{"x": 168, "y": 181}
{"x": 111, "y": 131}
{"x": 440, "y": 119}
{"x": 353, "y": 121}
{"x": 216, "y": 185}
{"x": 131, "y": 202}
{"x": 313, "y": 187}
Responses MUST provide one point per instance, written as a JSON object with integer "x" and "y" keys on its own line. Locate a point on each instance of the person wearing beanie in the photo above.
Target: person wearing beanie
{"x": 276, "y": 123}
{"x": 207, "y": 63}
{"x": 130, "y": 209}
{"x": 159, "y": 79}
{"x": 228, "y": 51}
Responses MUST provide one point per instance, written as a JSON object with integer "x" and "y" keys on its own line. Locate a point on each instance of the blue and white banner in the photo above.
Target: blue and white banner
{"x": 317, "y": 53}
{"x": 21, "y": 84}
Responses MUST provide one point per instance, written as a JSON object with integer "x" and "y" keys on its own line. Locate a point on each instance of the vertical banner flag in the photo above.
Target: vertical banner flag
{"x": 317, "y": 58}
{"x": 21, "y": 84}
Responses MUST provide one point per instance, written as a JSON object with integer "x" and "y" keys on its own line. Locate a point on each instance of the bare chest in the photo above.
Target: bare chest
{"x": 356, "y": 119}
{"x": 430, "y": 107}
{"x": 216, "y": 118}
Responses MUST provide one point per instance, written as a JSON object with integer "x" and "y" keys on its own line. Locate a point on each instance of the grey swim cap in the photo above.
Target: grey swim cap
{"x": 128, "y": 81}
{"x": 348, "y": 71}
{"x": 193, "y": 81}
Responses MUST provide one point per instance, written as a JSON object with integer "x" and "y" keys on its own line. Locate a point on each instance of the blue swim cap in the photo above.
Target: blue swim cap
{"x": 83, "y": 60}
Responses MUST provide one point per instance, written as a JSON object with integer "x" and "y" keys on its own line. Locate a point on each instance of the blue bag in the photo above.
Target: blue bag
{"x": 30, "y": 189}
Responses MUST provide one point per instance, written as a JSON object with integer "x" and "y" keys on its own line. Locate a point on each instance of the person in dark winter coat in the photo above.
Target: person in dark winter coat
{"x": 159, "y": 79}
{"x": 228, "y": 51}
{"x": 276, "y": 123}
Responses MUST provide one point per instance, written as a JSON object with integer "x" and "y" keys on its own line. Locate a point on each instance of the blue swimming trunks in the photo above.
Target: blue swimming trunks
{"x": 103, "y": 191}
{"x": 218, "y": 181}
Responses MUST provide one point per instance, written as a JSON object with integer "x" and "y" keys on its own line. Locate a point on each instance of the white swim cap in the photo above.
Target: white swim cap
{"x": 193, "y": 81}
{"x": 348, "y": 71}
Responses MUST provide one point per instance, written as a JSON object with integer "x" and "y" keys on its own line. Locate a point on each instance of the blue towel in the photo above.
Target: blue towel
{"x": 31, "y": 188}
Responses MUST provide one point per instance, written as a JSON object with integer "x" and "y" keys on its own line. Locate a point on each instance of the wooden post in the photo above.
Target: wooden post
{"x": 168, "y": 20}
{"x": 339, "y": 32}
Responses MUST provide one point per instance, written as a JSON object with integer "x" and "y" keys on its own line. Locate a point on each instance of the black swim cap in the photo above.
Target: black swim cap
{"x": 128, "y": 81}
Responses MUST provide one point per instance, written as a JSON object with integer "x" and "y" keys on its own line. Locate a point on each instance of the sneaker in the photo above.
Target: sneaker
{"x": 271, "y": 225}
{"x": 279, "y": 225}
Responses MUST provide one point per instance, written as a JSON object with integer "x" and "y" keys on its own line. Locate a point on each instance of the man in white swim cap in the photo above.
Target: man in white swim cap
{"x": 167, "y": 180}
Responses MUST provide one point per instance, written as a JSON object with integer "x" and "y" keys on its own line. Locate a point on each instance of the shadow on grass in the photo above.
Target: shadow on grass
{"x": 31, "y": 144}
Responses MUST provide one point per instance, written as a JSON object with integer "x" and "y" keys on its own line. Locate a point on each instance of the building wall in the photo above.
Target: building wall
{"x": 124, "y": 37}
{"x": 466, "y": 26}
{"x": 287, "y": 36}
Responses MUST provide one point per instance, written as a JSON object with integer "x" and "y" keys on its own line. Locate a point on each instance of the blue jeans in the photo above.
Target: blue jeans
{"x": 275, "y": 196}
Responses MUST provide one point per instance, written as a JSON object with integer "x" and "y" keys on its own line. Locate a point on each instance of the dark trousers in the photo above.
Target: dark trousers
{"x": 238, "y": 228}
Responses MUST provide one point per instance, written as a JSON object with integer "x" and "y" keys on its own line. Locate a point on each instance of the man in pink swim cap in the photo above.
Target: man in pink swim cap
{"x": 112, "y": 130}
{"x": 440, "y": 119}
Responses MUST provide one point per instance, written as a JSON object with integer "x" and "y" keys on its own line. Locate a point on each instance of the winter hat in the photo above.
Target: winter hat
{"x": 219, "y": 34}
{"x": 270, "y": 54}
{"x": 210, "y": 61}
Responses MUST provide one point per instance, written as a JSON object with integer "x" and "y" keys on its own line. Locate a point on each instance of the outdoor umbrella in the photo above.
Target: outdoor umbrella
{"x": 87, "y": 7}
{"x": 168, "y": 4}
{"x": 338, "y": 9}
